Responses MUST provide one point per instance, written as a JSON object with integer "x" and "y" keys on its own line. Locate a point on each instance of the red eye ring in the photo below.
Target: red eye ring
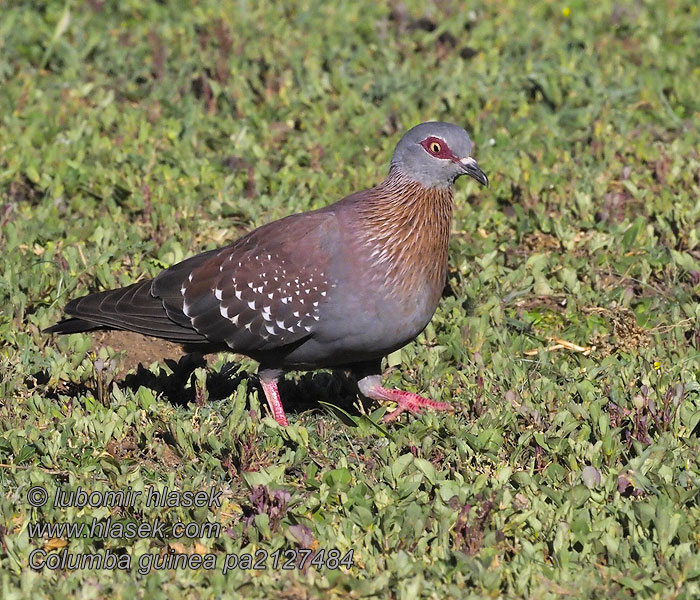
{"x": 436, "y": 147}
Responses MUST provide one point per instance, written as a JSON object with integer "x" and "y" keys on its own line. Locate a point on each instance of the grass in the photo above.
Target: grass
{"x": 136, "y": 134}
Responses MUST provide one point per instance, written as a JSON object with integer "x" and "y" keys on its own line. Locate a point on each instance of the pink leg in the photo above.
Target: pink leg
{"x": 370, "y": 387}
{"x": 273, "y": 399}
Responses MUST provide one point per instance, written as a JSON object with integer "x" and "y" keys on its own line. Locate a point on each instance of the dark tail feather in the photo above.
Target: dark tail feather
{"x": 73, "y": 326}
{"x": 132, "y": 308}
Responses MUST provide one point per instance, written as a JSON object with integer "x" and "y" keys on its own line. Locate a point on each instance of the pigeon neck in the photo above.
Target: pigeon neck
{"x": 406, "y": 228}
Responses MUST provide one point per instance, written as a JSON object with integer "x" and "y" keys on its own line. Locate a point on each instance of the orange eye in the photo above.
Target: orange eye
{"x": 435, "y": 147}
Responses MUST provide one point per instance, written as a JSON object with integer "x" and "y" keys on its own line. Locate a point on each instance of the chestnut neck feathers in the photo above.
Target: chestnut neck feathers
{"x": 405, "y": 227}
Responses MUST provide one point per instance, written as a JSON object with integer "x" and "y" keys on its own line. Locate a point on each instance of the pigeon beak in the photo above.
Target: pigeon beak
{"x": 471, "y": 168}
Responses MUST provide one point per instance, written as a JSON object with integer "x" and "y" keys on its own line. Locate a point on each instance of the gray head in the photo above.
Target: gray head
{"x": 434, "y": 154}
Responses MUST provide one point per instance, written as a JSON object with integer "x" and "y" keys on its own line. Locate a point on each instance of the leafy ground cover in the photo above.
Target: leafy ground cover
{"x": 134, "y": 134}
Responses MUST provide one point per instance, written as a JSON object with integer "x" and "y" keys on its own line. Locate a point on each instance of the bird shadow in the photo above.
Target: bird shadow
{"x": 311, "y": 388}
{"x": 176, "y": 385}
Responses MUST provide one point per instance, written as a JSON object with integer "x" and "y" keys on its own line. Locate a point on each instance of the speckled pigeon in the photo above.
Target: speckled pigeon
{"x": 341, "y": 286}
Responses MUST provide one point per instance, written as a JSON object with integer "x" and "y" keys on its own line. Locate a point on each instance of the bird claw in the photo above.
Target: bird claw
{"x": 406, "y": 401}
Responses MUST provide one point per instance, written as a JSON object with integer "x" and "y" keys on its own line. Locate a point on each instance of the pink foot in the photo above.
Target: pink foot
{"x": 407, "y": 401}
{"x": 273, "y": 399}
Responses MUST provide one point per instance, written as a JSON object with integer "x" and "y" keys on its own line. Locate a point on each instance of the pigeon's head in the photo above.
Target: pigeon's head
{"x": 434, "y": 154}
